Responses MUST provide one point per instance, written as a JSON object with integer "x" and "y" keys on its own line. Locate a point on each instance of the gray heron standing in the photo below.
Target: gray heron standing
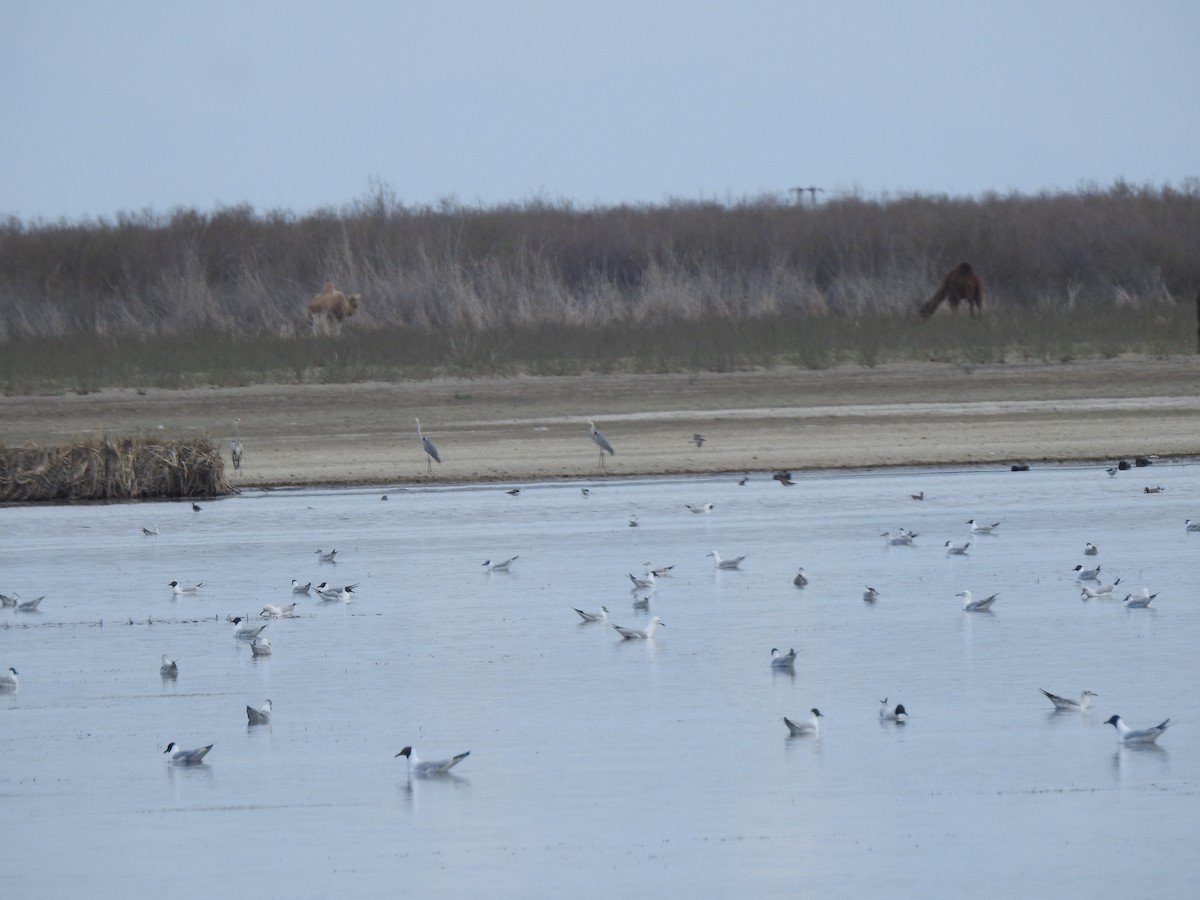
{"x": 600, "y": 441}
{"x": 235, "y": 445}
{"x": 428, "y": 446}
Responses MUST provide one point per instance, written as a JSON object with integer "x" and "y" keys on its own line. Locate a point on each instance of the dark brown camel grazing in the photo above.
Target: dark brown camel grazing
{"x": 961, "y": 283}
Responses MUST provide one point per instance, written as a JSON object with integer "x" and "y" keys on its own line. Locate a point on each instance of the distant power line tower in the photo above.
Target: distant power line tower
{"x": 812, "y": 192}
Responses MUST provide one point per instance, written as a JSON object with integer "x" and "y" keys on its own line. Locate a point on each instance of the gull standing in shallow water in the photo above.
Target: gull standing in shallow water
{"x": 593, "y": 616}
{"x": 1101, "y": 591}
{"x": 168, "y": 669}
{"x": 260, "y": 647}
{"x": 898, "y": 714}
{"x": 1066, "y": 703}
{"x": 1082, "y": 574}
{"x": 870, "y": 595}
{"x": 976, "y": 528}
{"x": 972, "y": 605}
{"x": 301, "y": 589}
{"x": 246, "y": 631}
{"x": 30, "y": 605}
{"x": 260, "y": 716}
{"x": 812, "y": 726}
{"x": 783, "y": 660}
{"x": 640, "y": 634}
{"x": 1127, "y": 735}
{"x": 1189, "y": 525}
{"x": 1091, "y": 549}
{"x": 189, "y": 590}
{"x": 953, "y": 549}
{"x": 801, "y": 580}
{"x": 500, "y": 566}
{"x": 431, "y": 768}
{"x": 904, "y": 539}
{"x": 8, "y": 679}
{"x": 725, "y": 563}
{"x": 181, "y": 757}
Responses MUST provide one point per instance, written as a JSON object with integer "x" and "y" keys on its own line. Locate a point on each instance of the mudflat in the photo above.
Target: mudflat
{"x": 536, "y": 427}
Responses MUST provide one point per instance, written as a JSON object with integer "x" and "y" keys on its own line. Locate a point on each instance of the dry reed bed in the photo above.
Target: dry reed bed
{"x": 127, "y": 468}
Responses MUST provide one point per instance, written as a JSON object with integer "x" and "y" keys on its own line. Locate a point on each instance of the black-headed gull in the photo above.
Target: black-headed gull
{"x": 633, "y": 522}
{"x": 702, "y": 508}
{"x": 185, "y": 589}
{"x": 260, "y": 646}
{"x": 181, "y": 757}
{"x": 30, "y": 605}
{"x": 870, "y": 595}
{"x": 592, "y": 616}
{"x": 8, "y": 679}
{"x": 801, "y": 579}
{"x": 812, "y": 726}
{"x": 953, "y": 549}
{"x": 976, "y": 528}
{"x": 10, "y": 599}
{"x": 725, "y": 563}
{"x": 1102, "y": 590}
{"x": 1189, "y": 525}
{"x": 169, "y": 668}
{"x": 658, "y": 571}
{"x": 150, "y": 532}
{"x": 645, "y": 583}
{"x": 500, "y": 566}
{"x": 246, "y": 631}
{"x": 1082, "y": 574}
{"x": 783, "y": 660}
{"x": 640, "y": 634}
{"x": 901, "y": 540}
{"x": 1127, "y": 735}
{"x": 432, "y": 767}
{"x": 1084, "y": 701}
{"x": 260, "y": 716}
{"x": 1153, "y": 489}
{"x": 1090, "y": 549}
{"x": 324, "y": 557}
{"x": 1140, "y": 600}
{"x": 892, "y": 714}
{"x": 344, "y": 593}
{"x": 301, "y": 589}
{"x": 278, "y": 612}
{"x": 972, "y": 605}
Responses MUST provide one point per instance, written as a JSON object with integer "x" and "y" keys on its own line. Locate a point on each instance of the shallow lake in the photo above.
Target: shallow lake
{"x": 600, "y": 767}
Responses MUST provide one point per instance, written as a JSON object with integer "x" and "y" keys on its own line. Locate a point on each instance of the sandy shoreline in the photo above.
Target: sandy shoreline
{"x": 536, "y": 428}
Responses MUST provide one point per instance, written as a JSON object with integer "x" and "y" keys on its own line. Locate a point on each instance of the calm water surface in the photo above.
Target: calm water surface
{"x": 600, "y": 767}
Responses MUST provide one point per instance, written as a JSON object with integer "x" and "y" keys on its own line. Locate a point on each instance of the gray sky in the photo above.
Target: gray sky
{"x": 156, "y": 104}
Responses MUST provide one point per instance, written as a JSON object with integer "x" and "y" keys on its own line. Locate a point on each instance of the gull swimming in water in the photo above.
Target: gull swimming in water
{"x": 260, "y": 646}
{"x": 1091, "y": 549}
{"x": 904, "y": 539}
{"x": 783, "y": 660}
{"x": 801, "y": 579}
{"x": 953, "y": 549}
{"x": 1102, "y": 590}
{"x": 278, "y": 612}
{"x": 645, "y": 583}
{"x": 186, "y": 589}
{"x": 972, "y": 605}
{"x": 1189, "y": 525}
{"x": 633, "y": 523}
{"x": 1140, "y": 600}
{"x": 725, "y": 563}
{"x": 976, "y": 528}
{"x": 1082, "y": 574}
{"x": 500, "y": 566}
{"x": 181, "y": 757}
{"x": 260, "y": 716}
{"x": 30, "y": 605}
{"x": 1066, "y": 703}
{"x": 1127, "y": 735}
{"x": 640, "y": 634}
{"x": 898, "y": 714}
{"x": 301, "y": 589}
{"x": 150, "y": 532}
{"x": 657, "y": 571}
{"x": 593, "y": 616}
{"x": 10, "y": 599}
{"x": 246, "y": 631}
{"x": 433, "y": 767}
{"x": 812, "y": 726}
{"x": 344, "y": 593}
{"x": 870, "y": 595}
{"x": 168, "y": 669}
{"x": 8, "y": 679}
{"x": 704, "y": 508}
{"x": 600, "y": 441}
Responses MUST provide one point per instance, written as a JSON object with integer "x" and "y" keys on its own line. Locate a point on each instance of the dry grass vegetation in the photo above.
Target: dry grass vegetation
{"x": 190, "y": 298}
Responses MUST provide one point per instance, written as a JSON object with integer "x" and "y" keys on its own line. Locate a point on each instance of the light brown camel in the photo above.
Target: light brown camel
{"x": 961, "y": 283}
{"x": 327, "y": 310}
